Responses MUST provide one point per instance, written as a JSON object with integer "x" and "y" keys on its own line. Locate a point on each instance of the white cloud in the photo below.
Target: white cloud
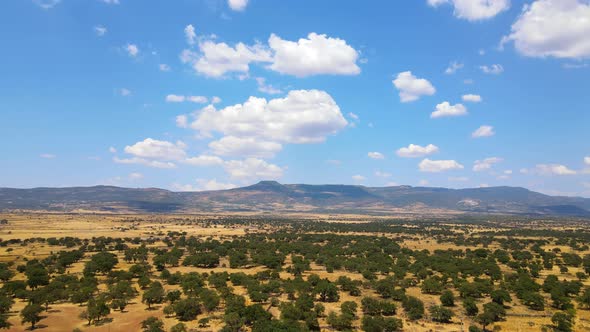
{"x": 100, "y": 30}
{"x": 304, "y": 116}
{"x": 252, "y": 168}
{"x": 587, "y": 161}
{"x": 237, "y": 5}
{"x": 244, "y": 147}
{"x": 164, "y": 67}
{"x": 494, "y": 69}
{"x": 316, "y": 54}
{"x": 474, "y": 10}
{"x": 132, "y": 50}
{"x": 197, "y": 99}
{"x": 486, "y": 164}
{"x": 155, "y": 149}
{"x": 215, "y": 100}
{"x": 382, "y": 174}
{"x": 453, "y": 67}
{"x": 412, "y": 88}
{"x": 353, "y": 116}
{"x": 125, "y": 92}
{"x": 423, "y": 182}
{"x": 112, "y": 149}
{"x": 46, "y": 4}
{"x": 334, "y": 162}
{"x": 111, "y": 2}
{"x": 266, "y": 88}
{"x": 376, "y": 155}
{"x": 483, "y": 131}
{"x": 172, "y": 98}
{"x": 206, "y": 185}
{"x": 146, "y": 162}
{"x": 135, "y": 176}
{"x": 203, "y": 160}
{"x": 47, "y": 156}
{"x": 182, "y": 121}
{"x": 553, "y": 169}
{"x": 553, "y": 28}
{"x": 189, "y": 33}
{"x": 217, "y": 59}
{"x": 175, "y": 99}
{"x": 445, "y": 109}
{"x": 471, "y": 98}
{"x": 436, "y": 166}
{"x": 358, "y": 178}
{"x": 415, "y": 151}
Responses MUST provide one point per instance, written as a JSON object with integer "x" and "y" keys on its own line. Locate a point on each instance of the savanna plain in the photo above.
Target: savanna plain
{"x": 255, "y": 272}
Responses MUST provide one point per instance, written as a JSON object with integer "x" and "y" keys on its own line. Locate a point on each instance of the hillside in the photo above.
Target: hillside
{"x": 276, "y": 197}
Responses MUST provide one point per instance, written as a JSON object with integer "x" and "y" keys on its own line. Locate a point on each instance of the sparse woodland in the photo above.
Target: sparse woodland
{"x": 304, "y": 275}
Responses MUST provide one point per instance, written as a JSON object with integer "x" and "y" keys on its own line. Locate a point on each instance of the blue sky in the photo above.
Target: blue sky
{"x": 211, "y": 94}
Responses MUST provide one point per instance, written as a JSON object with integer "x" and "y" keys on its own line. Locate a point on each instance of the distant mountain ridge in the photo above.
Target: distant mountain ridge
{"x": 271, "y": 196}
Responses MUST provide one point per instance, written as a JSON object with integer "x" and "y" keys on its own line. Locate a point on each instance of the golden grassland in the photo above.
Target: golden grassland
{"x": 65, "y": 316}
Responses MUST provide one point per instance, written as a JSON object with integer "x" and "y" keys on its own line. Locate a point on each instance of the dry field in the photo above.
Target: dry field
{"x": 65, "y": 316}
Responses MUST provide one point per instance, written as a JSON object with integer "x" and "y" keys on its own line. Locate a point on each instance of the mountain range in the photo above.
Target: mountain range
{"x": 271, "y": 196}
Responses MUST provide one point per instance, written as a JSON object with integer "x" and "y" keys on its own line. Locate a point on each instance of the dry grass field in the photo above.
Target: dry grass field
{"x": 153, "y": 229}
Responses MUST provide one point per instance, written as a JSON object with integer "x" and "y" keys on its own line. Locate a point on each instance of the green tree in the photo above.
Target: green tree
{"x": 440, "y": 314}
{"x": 414, "y": 307}
{"x": 152, "y": 324}
{"x": 153, "y": 294}
{"x": 447, "y": 298}
{"x": 31, "y": 313}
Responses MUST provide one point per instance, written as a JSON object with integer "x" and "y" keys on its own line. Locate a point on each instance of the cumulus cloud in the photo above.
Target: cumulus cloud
{"x": 415, "y": 151}
{"x": 132, "y": 50}
{"x": 483, "y": 131}
{"x": 146, "y": 162}
{"x": 314, "y": 55}
{"x": 217, "y": 59}
{"x": 445, "y": 109}
{"x": 213, "y": 184}
{"x": 237, "y": 5}
{"x": 252, "y": 168}
{"x": 189, "y": 33}
{"x": 215, "y": 100}
{"x": 471, "y": 98}
{"x": 437, "y": 166}
{"x": 553, "y": 28}
{"x": 172, "y": 98}
{"x": 155, "y": 149}
{"x": 266, "y": 88}
{"x": 486, "y": 164}
{"x": 474, "y": 10}
{"x": 246, "y": 147}
{"x": 317, "y": 54}
{"x": 135, "y": 176}
{"x": 553, "y": 169}
{"x": 376, "y": 155}
{"x": 494, "y": 69}
{"x": 453, "y": 67}
{"x": 303, "y": 116}
{"x": 125, "y": 92}
{"x": 100, "y": 30}
{"x": 203, "y": 160}
{"x": 412, "y": 88}
{"x": 587, "y": 161}
{"x": 358, "y": 178}
{"x": 182, "y": 121}
{"x": 46, "y": 4}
